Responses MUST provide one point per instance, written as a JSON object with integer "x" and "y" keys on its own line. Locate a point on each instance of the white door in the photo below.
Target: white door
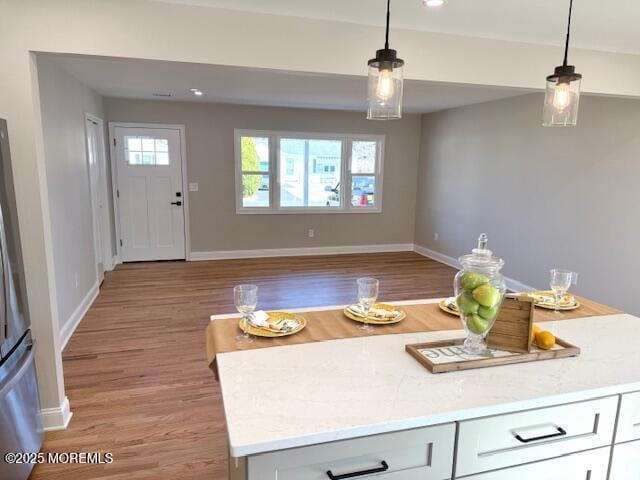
{"x": 95, "y": 159}
{"x": 149, "y": 193}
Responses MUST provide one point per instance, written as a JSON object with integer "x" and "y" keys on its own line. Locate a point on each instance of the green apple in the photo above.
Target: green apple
{"x": 472, "y": 280}
{"x": 486, "y": 295}
{"x": 488, "y": 313}
{"x": 477, "y": 324}
{"x": 467, "y": 304}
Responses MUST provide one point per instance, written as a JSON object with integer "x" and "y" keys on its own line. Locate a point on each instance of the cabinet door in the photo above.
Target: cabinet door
{"x": 629, "y": 420}
{"x": 625, "y": 464}
{"x": 502, "y": 441}
{"x": 590, "y": 465}
{"x": 424, "y": 454}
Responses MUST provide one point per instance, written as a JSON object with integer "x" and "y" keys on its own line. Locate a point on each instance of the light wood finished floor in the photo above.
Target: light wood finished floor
{"x": 135, "y": 369}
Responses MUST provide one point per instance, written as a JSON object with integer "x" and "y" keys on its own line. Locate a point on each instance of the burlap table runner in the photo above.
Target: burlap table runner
{"x": 331, "y": 324}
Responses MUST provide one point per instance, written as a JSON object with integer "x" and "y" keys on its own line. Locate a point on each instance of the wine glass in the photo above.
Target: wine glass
{"x": 560, "y": 282}
{"x": 246, "y": 300}
{"x": 367, "y": 295}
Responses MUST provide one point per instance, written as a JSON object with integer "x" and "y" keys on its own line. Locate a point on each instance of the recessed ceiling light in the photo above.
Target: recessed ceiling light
{"x": 198, "y": 93}
{"x": 433, "y": 3}
{"x": 193, "y": 89}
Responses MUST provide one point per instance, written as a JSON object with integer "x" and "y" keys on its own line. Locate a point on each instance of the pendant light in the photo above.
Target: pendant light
{"x": 563, "y": 91}
{"x": 385, "y": 82}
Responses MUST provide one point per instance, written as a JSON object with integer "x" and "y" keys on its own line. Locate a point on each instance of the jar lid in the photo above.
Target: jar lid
{"x": 481, "y": 257}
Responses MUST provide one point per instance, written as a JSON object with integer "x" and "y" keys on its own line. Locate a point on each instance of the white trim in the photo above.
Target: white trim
{"x": 185, "y": 181}
{"x": 105, "y": 222}
{"x": 114, "y": 187}
{"x": 70, "y": 325}
{"x": 305, "y": 210}
{"x": 301, "y": 251}
{"x": 517, "y": 286}
{"x": 437, "y": 256}
{"x": 273, "y": 173}
{"x": 512, "y": 284}
{"x": 56, "y": 418}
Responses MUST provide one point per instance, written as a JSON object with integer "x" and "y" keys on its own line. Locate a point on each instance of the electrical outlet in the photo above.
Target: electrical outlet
{"x": 435, "y": 237}
{"x": 312, "y": 233}
{"x": 193, "y": 186}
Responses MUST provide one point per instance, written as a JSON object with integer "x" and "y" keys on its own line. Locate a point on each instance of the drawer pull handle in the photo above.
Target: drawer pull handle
{"x": 383, "y": 468}
{"x": 561, "y": 431}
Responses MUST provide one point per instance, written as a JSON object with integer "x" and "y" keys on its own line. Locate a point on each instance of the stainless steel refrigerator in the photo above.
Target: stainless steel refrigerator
{"x": 20, "y": 421}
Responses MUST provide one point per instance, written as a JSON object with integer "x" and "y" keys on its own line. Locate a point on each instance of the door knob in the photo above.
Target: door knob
{"x": 178, "y": 203}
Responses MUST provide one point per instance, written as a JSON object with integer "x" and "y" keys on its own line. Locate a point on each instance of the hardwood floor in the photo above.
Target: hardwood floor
{"x": 136, "y": 372}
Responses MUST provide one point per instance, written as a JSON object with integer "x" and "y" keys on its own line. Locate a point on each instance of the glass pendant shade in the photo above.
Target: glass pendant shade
{"x": 562, "y": 98}
{"x": 385, "y": 86}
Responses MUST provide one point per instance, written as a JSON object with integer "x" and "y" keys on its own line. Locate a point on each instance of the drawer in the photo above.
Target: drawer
{"x": 625, "y": 463}
{"x": 591, "y": 465}
{"x": 501, "y": 441}
{"x": 411, "y": 474}
{"x": 425, "y": 453}
{"x": 629, "y": 419}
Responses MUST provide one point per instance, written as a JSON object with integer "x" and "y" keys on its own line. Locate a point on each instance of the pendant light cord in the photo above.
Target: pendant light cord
{"x": 386, "y": 37}
{"x": 566, "y": 46}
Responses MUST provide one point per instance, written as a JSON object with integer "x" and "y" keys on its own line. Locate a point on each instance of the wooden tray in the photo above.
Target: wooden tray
{"x": 448, "y": 356}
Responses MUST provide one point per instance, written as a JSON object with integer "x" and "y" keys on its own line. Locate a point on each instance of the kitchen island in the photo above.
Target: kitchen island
{"x": 363, "y": 407}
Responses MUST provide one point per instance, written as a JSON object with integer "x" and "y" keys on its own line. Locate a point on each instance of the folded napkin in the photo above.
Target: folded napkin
{"x": 261, "y": 319}
{"x": 548, "y": 299}
{"x": 381, "y": 313}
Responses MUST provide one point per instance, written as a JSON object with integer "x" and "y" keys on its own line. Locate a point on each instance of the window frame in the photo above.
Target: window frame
{"x": 274, "y": 172}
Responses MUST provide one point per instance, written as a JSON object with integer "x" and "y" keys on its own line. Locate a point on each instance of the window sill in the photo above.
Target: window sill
{"x": 306, "y": 211}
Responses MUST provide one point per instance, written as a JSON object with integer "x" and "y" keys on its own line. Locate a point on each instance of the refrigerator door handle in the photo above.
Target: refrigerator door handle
{"x": 4, "y": 270}
{"x": 24, "y": 364}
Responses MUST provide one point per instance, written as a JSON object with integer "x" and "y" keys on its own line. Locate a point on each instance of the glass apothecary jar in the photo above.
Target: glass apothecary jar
{"x": 479, "y": 289}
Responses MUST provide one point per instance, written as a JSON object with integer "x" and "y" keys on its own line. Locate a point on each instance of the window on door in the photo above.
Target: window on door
{"x": 280, "y": 172}
{"x": 146, "y": 150}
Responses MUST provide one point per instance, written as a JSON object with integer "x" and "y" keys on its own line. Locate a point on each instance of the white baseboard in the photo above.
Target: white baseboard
{"x": 111, "y": 264}
{"x": 437, "y": 256}
{"x": 296, "y": 252}
{"x": 512, "y": 284}
{"x": 57, "y": 418}
{"x": 76, "y": 317}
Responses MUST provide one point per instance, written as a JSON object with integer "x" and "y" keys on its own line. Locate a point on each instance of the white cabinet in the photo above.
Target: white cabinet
{"x": 424, "y": 454}
{"x": 562, "y": 442}
{"x": 629, "y": 419}
{"x": 625, "y": 463}
{"x": 590, "y": 465}
{"x": 501, "y": 441}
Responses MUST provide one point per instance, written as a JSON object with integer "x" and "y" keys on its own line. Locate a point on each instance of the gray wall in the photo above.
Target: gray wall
{"x": 546, "y": 197}
{"x": 64, "y": 101}
{"x": 210, "y": 162}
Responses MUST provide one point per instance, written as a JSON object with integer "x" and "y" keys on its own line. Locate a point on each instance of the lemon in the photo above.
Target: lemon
{"x": 534, "y": 331}
{"x": 545, "y": 340}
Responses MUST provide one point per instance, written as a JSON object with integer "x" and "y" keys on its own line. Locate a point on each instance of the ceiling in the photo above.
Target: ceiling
{"x": 126, "y": 78}
{"x": 608, "y": 25}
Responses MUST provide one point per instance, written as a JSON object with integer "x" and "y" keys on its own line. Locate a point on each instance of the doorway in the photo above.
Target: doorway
{"x": 150, "y": 204}
{"x": 96, "y": 158}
